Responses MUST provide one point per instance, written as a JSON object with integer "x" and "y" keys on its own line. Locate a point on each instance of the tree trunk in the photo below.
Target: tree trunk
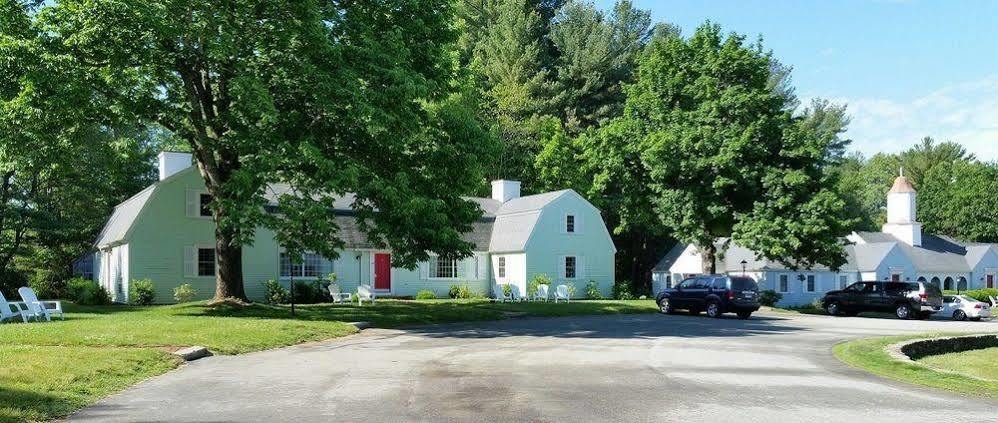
{"x": 229, "y": 259}
{"x": 709, "y": 256}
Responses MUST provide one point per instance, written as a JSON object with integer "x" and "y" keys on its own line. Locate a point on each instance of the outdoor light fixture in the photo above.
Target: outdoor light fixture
{"x": 743, "y": 267}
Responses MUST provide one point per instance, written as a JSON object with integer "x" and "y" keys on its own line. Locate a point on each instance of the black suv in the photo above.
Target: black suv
{"x": 905, "y": 299}
{"x": 715, "y": 294}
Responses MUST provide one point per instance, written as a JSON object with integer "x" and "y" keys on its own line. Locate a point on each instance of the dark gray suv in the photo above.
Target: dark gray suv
{"x": 715, "y": 294}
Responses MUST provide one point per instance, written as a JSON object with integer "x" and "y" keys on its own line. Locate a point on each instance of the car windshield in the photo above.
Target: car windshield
{"x": 966, "y": 299}
{"x": 743, "y": 284}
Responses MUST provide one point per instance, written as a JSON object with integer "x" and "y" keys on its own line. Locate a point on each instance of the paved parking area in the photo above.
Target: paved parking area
{"x": 772, "y": 368}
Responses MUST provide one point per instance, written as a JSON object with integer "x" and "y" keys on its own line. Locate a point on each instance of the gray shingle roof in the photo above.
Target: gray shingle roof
{"x": 121, "y": 219}
{"x": 503, "y": 227}
{"x": 669, "y": 258}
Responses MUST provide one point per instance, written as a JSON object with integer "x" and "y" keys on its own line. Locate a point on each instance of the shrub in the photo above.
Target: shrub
{"x": 507, "y": 289}
{"x": 87, "y": 292}
{"x": 463, "y": 291}
{"x": 622, "y": 290}
{"x": 47, "y": 288}
{"x": 592, "y": 291}
{"x": 537, "y": 280}
{"x": 817, "y": 304}
{"x": 425, "y": 294}
{"x": 275, "y": 293}
{"x": 309, "y": 292}
{"x": 924, "y": 348}
{"x": 184, "y": 293}
{"x": 982, "y": 294}
{"x": 10, "y": 280}
{"x": 141, "y": 292}
{"x": 769, "y": 297}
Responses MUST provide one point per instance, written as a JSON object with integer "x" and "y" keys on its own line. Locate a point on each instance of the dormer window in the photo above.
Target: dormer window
{"x": 204, "y": 205}
{"x": 570, "y": 224}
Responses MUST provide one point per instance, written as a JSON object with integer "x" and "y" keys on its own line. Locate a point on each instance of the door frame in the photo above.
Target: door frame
{"x": 391, "y": 270}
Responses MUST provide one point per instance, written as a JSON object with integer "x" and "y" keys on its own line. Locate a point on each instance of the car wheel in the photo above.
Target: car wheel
{"x": 833, "y": 308}
{"x": 666, "y": 306}
{"x": 744, "y": 314}
{"x": 713, "y": 309}
{"x": 903, "y": 311}
{"x": 959, "y": 315}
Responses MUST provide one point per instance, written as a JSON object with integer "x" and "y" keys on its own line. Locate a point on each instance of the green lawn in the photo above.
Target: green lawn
{"x": 869, "y": 354}
{"x": 977, "y": 363}
{"x": 51, "y": 369}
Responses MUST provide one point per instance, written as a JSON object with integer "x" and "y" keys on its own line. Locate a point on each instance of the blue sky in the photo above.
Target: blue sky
{"x": 904, "y": 68}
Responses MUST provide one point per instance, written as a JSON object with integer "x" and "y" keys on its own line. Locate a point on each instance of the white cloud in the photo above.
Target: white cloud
{"x": 966, "y": 113}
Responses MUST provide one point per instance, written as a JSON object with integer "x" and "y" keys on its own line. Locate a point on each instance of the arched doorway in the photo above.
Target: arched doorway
{"x": 935, "y": 281}
{"x": 948, "y": 283}
{"x": 961, "y": 284}
{"x": 921, "y": 279}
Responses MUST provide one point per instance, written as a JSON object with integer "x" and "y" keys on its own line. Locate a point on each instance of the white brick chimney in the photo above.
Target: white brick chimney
{"x": 505, "y": 190}
{"x": 171, "y": 163}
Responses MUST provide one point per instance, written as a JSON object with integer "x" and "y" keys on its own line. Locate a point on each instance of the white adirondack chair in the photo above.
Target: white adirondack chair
{"x": 561, "y": 293}
{"x": 501, "y": 295}
{"x": 338, "y": 296}
{"x": 994, "y": 301}
{"x": 365, "y": 293}
{"x": 38, "y": 309}
{"x": 542, "y": 293}
{"x": 10, "y": 310}
{"x": 514, "y": 291}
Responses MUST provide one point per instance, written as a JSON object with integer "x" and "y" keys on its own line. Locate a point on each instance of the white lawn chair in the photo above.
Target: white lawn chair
{"x": 365, "y": 293}
{"x": 501, "y": 295}
{"x": 994, "y": 301}
{"x": 10, "y": 310}
{"x": 561, "y": 293}
{"x": 514, "y": 291}
{"x": 337, "y": 296}
{"x": 542, "y": 293}
{"x": 37, "y": 308}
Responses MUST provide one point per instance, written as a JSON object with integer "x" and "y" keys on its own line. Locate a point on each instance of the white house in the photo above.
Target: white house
{"x": 899, "y": 252}
{"x": 165, "y": 234}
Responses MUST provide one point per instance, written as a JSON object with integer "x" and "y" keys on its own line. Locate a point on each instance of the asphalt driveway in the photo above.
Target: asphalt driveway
{"x": 772, "y": 368}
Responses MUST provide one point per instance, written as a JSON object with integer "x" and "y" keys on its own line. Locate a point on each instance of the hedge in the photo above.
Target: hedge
{"x": 921, "y": 349}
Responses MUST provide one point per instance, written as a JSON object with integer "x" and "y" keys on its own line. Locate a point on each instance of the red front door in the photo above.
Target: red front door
{"x": 383, "y": 271}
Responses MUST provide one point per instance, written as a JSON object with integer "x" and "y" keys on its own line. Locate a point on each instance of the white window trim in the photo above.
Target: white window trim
{"x": 564, "y": 268}
{"x": 195, "y": 196}
{"x": 804, "y": 282}
{"x": 576, "y": 226}
{"x": 501, "y": 270}
{"x": 197, "y": 260}
{"x": 431, "y": 274}
{"x": 779, "y": 281}
{"x": 322, "y": 275}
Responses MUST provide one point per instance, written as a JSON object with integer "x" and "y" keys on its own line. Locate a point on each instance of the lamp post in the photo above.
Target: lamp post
{"x": 743, "y": 267}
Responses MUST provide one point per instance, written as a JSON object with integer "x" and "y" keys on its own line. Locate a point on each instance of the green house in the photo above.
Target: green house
{"x": 165, "y": 234}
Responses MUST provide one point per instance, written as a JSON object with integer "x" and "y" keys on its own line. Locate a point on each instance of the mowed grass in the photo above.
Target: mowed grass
{"x": 870, "y": 355}
{"x": 52, "y": 369}
{"x": 977, "y": 363}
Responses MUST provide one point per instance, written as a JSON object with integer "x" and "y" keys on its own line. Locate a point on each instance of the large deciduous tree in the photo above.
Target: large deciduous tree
{"x": 326, "y": 97}
{"x": 725, "y": 157}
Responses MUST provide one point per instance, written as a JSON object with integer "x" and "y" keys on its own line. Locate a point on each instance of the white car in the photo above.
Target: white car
{"x": 962, "y": 307}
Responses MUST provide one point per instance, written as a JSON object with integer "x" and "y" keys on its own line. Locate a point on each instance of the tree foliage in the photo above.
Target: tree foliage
{"x": 324, "y": 98}
{"x": 724, "y": 156}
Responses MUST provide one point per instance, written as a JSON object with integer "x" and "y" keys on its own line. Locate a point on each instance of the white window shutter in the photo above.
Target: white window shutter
{"x": 190, "y": 261}
{"x": 561, "y": 267}
{"x": 578, "y": 224}
{"x": 462, "y": 268}
{"x": 580, "y": 267}
{"x": 193, "y": 208}
{"x": 424, "y": 270}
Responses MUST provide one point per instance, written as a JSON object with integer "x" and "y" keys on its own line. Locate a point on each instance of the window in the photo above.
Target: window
{"x": 570, "y": 263}
{"x": 206, "y": 262}
{"x": 309, "y": 266}
{"x": 720, "y": 283}
{"x": 204, "y": 205}
{"x": 442, "y": 268}
{"x": 990, "y": 281}
{"x": 701, "y": 283}
{"x": 570, "y": 224}
{"x": 502, "y": 267}
{"x": 668, "y": 281}
{"x": 809, "y": 284}
{"x": 784, "y": 283}
{"x": 895, "y": 277}
{"x": 843, "y": 281}
{"x": 685, "y": 284}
